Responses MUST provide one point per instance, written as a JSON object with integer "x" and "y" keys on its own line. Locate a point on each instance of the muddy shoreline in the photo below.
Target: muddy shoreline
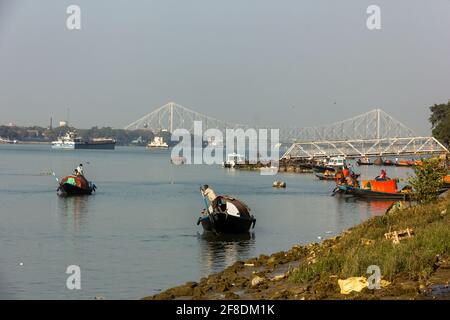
{"x": 273, "y": 276}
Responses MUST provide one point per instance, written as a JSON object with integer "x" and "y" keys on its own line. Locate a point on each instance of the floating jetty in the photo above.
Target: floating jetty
{"x": 284, "y": 165}
{"x": 296, "y": 166}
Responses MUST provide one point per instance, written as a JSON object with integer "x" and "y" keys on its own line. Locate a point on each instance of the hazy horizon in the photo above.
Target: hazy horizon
{"x": 255, "y": 62}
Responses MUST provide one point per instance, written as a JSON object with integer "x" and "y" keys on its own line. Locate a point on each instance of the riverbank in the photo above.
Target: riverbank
{"x": 414, "y": 266}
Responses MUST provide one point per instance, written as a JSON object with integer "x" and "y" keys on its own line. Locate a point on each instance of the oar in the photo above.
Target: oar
{"x": 57, "y": 180}
{"x": 54, "y": 174}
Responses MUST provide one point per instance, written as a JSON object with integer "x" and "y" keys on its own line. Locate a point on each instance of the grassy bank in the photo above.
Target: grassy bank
{"x": 366, "y": 245}
{"x": 412, "y": 266}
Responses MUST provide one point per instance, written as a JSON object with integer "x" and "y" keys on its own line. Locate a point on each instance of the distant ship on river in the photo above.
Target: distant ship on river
{"x": 157, "y": 143}
{"x": 7, "y": 141}
{"x": 71, "y": 141}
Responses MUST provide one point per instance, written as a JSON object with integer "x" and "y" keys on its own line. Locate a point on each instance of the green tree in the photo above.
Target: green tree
{"x": 428, "y": 179}
{"x": 440, "y": 122}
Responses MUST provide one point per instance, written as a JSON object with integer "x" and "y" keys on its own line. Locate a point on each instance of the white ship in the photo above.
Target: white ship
{"x": 157, "y": 143}
{"x": 7, "y": 141}
{"x": 71, "y": 141}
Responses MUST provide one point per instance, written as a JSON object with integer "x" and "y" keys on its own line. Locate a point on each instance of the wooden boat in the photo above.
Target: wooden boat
{"x": 405, "y": 163}
{"x": 376, "y": 189}
{"x": 364, "y": 162}
{"x": 388, "y": 163}
{"x": 322, "y": 168}
{"x": 333, "y": 177}
{"x": 367, "y": 193}
{"x": 231, "y": 217}
{"x": 75, "y": 185}
{"x": 322, "y": 176}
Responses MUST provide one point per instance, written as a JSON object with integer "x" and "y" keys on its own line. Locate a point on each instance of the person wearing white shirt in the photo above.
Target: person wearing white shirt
{"x": 80, "y": 170}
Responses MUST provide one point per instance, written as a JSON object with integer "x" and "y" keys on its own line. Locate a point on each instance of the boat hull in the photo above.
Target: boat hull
{"x": 219, "y": 222}
{"x": 369, "y": 194}
{"x": 157, "y": 148}
{"x": 362, "y": 163}
{"x": 71, "y": 190}
{"x": 325, "y": 177}
{"x": 404, "y": 165}
{"x": 321, "y": 176}
{"x": 75, "y": 186}
{"x": 321, "y": 169}
{"x": 87, "y": 145}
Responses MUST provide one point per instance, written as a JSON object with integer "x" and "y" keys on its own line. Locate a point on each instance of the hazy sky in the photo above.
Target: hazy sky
{"x": 276, "y": 62}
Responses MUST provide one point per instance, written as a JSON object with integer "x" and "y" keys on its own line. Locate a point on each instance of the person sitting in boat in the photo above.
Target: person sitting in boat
{"x": 351, "y": 181}
{"x": 80, "y": 171}
{"x": 211, "y": 195}
{"x": 382, "y": 176}
{"x": 340, "y": 179}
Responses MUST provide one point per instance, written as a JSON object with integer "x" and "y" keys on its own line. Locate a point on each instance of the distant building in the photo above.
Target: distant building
{"x": 62, "y": 123}
{"x": 33, "y": 133}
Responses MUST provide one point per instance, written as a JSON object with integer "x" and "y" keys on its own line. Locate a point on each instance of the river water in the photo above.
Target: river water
{"x": 138, "y": 235}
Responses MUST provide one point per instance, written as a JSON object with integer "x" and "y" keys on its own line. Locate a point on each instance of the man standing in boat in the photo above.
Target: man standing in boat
{"x": 80, "y": 170}
{"x": 211, "y": 195}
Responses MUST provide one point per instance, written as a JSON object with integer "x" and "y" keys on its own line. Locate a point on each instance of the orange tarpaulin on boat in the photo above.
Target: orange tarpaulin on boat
{"x": 384, "y": 186}
{"x": 345, "y": 172}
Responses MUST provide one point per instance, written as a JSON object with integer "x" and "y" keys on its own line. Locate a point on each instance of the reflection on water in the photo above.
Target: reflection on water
{"x": 73, "y": 211}
{"x": 376, "y": 208}
{"x": 138, "y": 234}
{"x": 220, "y": 251}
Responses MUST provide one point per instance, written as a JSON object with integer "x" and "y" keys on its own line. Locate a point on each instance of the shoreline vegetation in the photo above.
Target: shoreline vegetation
{"x": 416, "y": 266}
{"x": 41, "y": 135}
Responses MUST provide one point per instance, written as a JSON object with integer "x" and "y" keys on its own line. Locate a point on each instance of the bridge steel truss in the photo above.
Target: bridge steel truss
{"x": 361, "y": 148}
{"x": 369, "y": 134}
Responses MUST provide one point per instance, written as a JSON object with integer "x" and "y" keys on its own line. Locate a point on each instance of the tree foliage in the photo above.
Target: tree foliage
{"x": 440, "y": 122}
{"x": 428, "y": 179}
{"x": 123, "y": 137}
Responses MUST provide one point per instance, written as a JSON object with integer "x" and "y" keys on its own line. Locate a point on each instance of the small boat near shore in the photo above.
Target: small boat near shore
{"x": 364, "y": 162}
{"x": 333, "y": 177}
{"x": 389, "y": 163}
{"x": 367, "y": 193}
{"x": 231, "y": 217}
{"x": 322, "y": 168}
{"x": 75, "y": 185}
{"x": 405, "y": 163}
{"x": 376, "y": 189}
{"x": 333, "y": 164}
